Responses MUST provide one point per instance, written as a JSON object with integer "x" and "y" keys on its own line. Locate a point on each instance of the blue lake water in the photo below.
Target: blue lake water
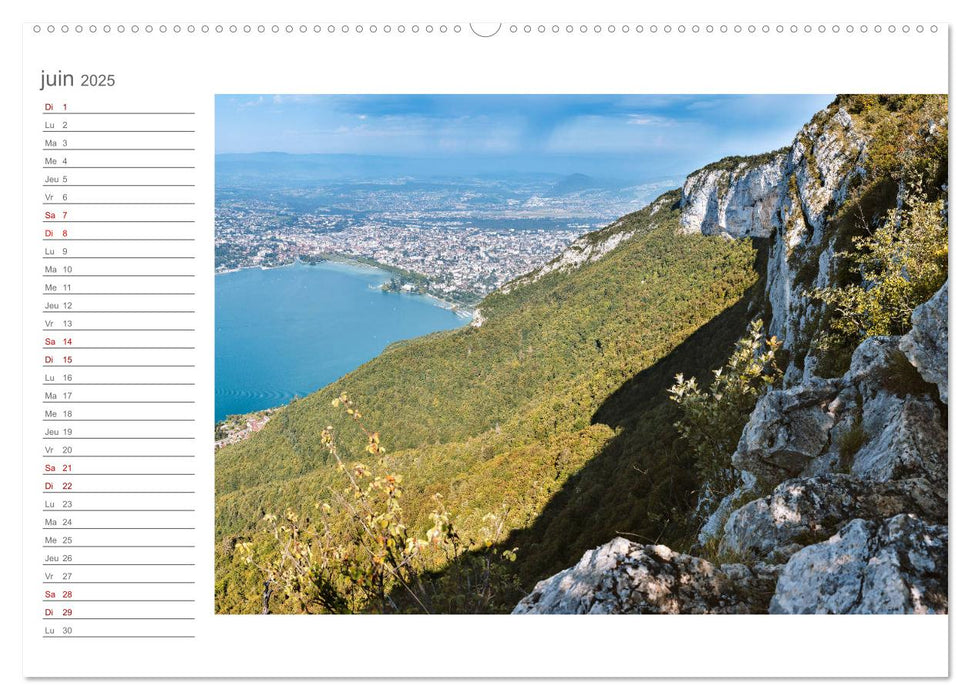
{"x": 291, "y": 330}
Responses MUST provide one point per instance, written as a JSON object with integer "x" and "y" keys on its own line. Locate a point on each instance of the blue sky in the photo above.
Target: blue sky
{"x": 627, "y": 135}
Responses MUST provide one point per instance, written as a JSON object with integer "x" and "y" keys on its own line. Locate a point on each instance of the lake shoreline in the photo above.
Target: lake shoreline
{"x": 295, "y": 331}
{"x": 462, "y": 310}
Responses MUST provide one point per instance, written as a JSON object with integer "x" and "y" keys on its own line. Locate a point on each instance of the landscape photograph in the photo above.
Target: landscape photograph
{"x": 581, "y": 354}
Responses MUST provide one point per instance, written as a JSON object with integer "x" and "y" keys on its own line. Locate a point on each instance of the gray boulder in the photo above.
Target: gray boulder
{"x": 624, "y": 577}
{"x": 713, "y": 525}
{"x": 805, "y": 511}
{"x": 926, "y": 344}
{"x": 798, "y": 512}
{"x": 874, "y": 364}
{"x": 903, "y": 434}
{"x": 878, "y": 420}
{"x": 894, "y": 566}
{"x": 788, "y": 429}
{"x": 905, "y": 438}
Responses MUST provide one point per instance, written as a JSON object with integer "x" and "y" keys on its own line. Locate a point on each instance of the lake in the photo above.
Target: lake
{"x": 291, "y": 330}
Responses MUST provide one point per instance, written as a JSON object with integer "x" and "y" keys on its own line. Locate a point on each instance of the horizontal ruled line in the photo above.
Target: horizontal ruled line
{"x": 75, "y": 617}
{"x": 126, "y": 473}
{"x": 117, "y": 221}
{"x": 118, "y": 131}
{"x": 111, "y": 204}
{"x": 116, "y": 366}
{"x": 73, "y": 491}
{"x": 119, "y": 167}
{"x": 119, "y": 401}
{"x": 119, "y": 294}
{"x": 114, "y": 510}
{"x": 115, "y": 437}
{"x": 119, "y": 420}
{"x": 119, "y": 257}
{"x": 119, "y": 546}
{"x": 116, "y": 600}
{"x": 118, "y": 636}
{"x": 126, "y": 311}
{"x": 118, "y": 149}
{"x": 123, "y": 456}
{"x": 121, "y": 113}
{"x": 117, "y": 619}
{"x": 119, "y": 384}
{"x": 126, "y": 185}
{"x": 126, "y": 330}
{"x": 128, "y": 240}
{"x": 119, "y": 528}
{"x": 72, "y": 564}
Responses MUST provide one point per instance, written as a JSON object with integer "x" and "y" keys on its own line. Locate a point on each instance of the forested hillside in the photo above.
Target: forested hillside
{"x": 553, "y": 409}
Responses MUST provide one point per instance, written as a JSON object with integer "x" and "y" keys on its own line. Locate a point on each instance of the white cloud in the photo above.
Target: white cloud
{"x": 650, "y": 120}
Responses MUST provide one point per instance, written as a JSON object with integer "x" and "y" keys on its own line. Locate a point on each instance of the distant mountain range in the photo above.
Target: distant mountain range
{"x": 281, "y": 168}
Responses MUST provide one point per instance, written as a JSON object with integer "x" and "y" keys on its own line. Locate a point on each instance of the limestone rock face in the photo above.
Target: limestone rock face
{"x": 926, "y": 344}
{"x": 787, "y": 430}
{"x": 802, "y": 511}
{"x": 585, "y": 251}
{"x": 624, "y": 577}
{"x": 908, "y": 440}
{"x": 786, "y": 197}
{"x": 715, "y": 523}
{"x": 902, "y": 429}
{"x": 798, "y": 511}
{"x": 811, "y": 428}
{"x": 872, "y": 364}
{"x": 737, "y": 198}
{"x": 894, "y": 566}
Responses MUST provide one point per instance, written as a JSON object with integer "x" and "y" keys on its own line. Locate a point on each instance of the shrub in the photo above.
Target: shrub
{"x": 900, "y": 266}
{"x": 713, "y": 419}
{"x": 372, "y": 561}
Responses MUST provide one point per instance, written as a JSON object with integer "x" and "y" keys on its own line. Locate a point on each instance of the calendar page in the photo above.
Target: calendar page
{"x": 439, "y": 347}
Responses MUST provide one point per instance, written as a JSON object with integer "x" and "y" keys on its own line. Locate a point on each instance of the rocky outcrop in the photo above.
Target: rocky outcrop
{"x": 788, "y": 430}
{"x": 907, "y": 440}
{"x": 807, "y": 510}
{"x": 856, "y": 520}
{"x": 797, "y": 512}
{"x": 585, "y": 250}
{"x": 898, "y": 565}
{"x": 878, "y": 422}
{"x": 788, "y": 197}
{"x": 712, "y": 528}
{"x": 926, "y": 344}
{"x": 843, "y": 507}
{"x": 623, "y": 577}
{"x": 735, "y": 197}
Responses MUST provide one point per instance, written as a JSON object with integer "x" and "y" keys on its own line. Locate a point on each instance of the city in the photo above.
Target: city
{"x": 456, "y": 240}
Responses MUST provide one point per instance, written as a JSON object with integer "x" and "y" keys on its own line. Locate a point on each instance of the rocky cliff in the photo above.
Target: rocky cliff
{"x": 790, "y": 197}
{"x": 842, "y": 502}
